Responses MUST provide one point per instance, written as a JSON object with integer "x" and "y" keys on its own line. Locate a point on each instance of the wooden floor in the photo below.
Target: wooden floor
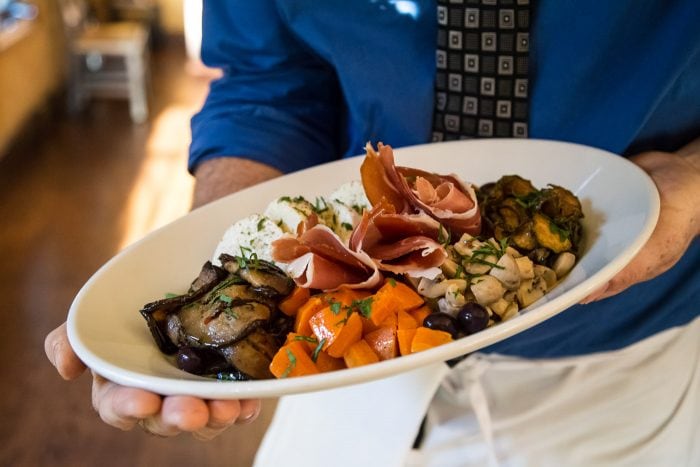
{"x": 72, "y": 194}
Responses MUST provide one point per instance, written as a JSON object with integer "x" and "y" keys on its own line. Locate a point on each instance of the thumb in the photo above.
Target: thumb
{"x": 61, "y": 355}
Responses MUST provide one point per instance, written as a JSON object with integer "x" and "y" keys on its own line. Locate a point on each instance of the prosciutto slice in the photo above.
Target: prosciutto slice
{"x": 400, "y": 243}
{"x": 445, "y": 198}
{"x": 318, "y": 259}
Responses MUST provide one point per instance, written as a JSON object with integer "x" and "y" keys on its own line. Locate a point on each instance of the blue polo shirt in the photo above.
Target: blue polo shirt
{"x": 308, "y": 82}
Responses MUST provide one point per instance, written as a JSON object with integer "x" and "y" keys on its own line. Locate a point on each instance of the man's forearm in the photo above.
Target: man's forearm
{"x": 691, "y": 152}
{"x": 219, "y": 177}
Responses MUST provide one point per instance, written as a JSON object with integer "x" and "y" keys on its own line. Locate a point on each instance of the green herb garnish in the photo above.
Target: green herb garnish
{"x": 229, "y": 311}
{"x": 320, "y": 206}
{"x": 364, "y": 306}
{"x": 313, "y": 340}
{"x": 292, "y": 363}
{"x": 335, "y": 307}
{"x": 317, "y": 350}
{"x": 225, "y": 298}
{"x": 562, "y": 233}
{"x": 444, "y": 236}
{"x": 358, "y": 209}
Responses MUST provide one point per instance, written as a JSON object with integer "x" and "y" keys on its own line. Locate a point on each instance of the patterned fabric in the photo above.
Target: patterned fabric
{"x": 481, "y": 81}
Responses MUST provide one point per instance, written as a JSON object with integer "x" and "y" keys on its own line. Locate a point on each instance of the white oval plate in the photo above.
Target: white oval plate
{"x": 620, "y": 202}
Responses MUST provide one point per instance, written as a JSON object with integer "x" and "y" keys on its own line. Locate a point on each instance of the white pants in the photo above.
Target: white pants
{"x": 639, "y": 406}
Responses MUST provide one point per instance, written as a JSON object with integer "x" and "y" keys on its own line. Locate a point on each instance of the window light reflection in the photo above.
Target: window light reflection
{"x": 163, "y": 188}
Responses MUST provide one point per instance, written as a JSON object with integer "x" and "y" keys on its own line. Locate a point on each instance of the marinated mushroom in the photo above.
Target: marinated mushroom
{"x": 487, "y": 289}
{"x": 506, "y": 270}
{"x": 563, "y": 264}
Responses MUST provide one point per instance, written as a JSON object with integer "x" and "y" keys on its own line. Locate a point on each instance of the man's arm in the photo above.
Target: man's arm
{"x": 219, "y": 177}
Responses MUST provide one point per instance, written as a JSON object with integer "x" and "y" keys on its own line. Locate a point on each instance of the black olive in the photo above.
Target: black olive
{"x": 441, "y": 322}
{"x": 472, "y": 318}
{"x": 200, "y": 361}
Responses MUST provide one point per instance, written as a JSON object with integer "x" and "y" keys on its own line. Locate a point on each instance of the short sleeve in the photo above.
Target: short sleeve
{"x": 277, "y": 102}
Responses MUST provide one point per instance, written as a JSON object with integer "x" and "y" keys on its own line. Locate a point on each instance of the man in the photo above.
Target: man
{"x": 307, "y": 84}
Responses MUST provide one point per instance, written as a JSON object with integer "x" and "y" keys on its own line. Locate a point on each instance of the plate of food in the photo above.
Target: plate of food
{"x": 363, "y": 268}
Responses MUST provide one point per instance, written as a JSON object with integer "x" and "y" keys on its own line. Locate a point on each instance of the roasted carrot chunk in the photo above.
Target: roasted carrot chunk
{"x": 405, "y": 339}
{"x": 420, "y": 313}
{"x": 292, "y": 302}
{"x": 391, "y": 298}
{"x": 345, "y": 296}
{"x": 383, "y": 342}
{"x": 292, "y": 360}
{"x": 368, "y": 326}
{"x": 407, "y": 325}
{"x": 406, "y": 321}
{"x": 309, "y": 342}
{"x": 350, "y": 333}
{"x": 306, "y": 311}
{"x": 326, "y": 325}
{"x": 360, "y": 353}
{"x": 426, "y": 338}
{"x": 325, "y": 362}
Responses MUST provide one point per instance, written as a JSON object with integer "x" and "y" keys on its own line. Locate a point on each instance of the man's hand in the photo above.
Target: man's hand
{"x": 125, "y": 407}
{"x": 677, "y": 177}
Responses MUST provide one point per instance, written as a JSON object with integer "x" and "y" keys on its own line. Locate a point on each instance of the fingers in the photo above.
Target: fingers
{"x": 597, "y": 294}
{"x": 122, "y": 407}
{"x": 61, "y": 355}
{"x": 250, "y": 409}
{"x": 223, "y": 414}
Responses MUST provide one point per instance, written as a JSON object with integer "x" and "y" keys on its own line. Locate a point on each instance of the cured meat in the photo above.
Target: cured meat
{"x": 445, "y": 198}
{"x": 400, "y": 243}
{"x": 318, "y": 259}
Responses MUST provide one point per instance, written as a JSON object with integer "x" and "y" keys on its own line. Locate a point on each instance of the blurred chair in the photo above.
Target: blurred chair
{"x": 106, "y": 59}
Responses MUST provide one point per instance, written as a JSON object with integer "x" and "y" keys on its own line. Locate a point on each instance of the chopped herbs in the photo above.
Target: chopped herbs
{"x": 480, "y": 260}
{"x": 292, "y": 363}
{"x": 335, "y": 307}
{"x": 392, "y": 282}
{"x": 229, "y": 312}
{"x": 261, "y": 223}
{"x": 562, "y": 233}
{"x": 313, "y": 340}
{"x": 444, "y": 236}
{"x": 320, "y": 206}
{"x": 364, "y": 306}
{"x": 317, "y": 350}
{"x": 343, "y": 321}
{"x": 225, "y": 298}
{"x": 171, "y": 295}
{"x": 247, "y": 254}
{"x": 531, "y": 200}
{"x": 347, "y": 226}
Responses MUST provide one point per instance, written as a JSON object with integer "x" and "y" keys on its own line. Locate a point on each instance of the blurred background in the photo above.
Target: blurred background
{"x": 96, "y": 98}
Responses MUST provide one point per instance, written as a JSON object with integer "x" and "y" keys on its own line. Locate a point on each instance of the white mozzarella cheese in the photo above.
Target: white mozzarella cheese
{"x": 352, "y": 195}
{"x": 289, "y": 212}
{"x": 251, "y": 235}
{"x": 345, "y": 218}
